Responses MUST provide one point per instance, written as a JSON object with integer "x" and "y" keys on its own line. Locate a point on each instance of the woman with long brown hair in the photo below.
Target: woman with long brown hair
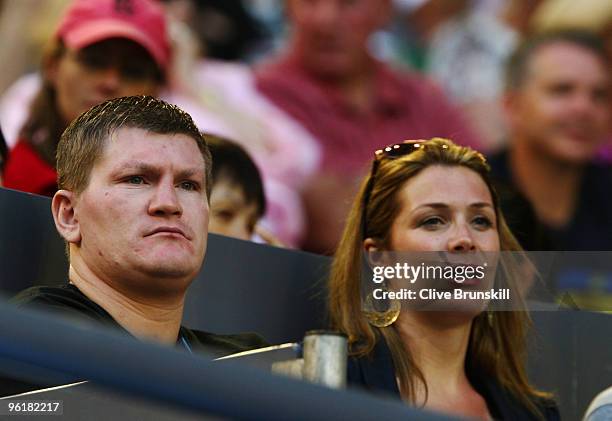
{"x": 433, "y": 196}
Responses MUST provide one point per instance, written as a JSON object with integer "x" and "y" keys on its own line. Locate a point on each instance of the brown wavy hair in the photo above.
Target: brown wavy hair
{"x": 44, "y": 124}
{"x": 497, "y": 344}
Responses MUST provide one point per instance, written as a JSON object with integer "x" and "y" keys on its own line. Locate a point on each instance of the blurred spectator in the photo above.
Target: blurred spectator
{"x": 558, "y": 105}
{"x": 590, "y": 15}
{"x": 467, "y": 55}
{"x": 352, "y": 103}
{"x": 102, "y": 49}
{"x": 222, "y": 99}
{"x": 237, "y": 200}
{"x": 225, "y": 29}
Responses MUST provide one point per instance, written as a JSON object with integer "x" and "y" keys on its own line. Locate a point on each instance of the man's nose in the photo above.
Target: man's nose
{"x": 325, "y": 13}
{"x": 165, "y": 200}
{"x": 109, "y": 81}
{"x": 461, "y": 239}
{"x": 584, "y": 103}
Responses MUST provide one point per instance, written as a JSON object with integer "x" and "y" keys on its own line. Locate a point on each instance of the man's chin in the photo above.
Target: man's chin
{"x": 574, "y": 152}
{"x": 165, "y": 267}
{"x": 330, "y": 66}
{"x": 169, "y": 271}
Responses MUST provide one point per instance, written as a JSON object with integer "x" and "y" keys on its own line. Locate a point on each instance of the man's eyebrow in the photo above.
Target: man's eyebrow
{"x": 145, "y": 168}
{"x": 137, "y": 165}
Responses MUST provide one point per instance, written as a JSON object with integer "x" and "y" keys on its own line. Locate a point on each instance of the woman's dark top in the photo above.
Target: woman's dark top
{"x": 376, "y": 373}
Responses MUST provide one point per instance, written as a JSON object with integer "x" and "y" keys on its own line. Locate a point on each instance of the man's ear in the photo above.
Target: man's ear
{"x": 65, "y": 217}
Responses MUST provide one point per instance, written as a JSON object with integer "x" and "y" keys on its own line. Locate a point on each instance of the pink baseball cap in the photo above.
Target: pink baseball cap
{"x": 142, "y": 21}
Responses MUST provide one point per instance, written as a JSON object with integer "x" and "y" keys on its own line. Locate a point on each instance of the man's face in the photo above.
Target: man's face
{"x": 143, "y": 218}
{"x": 330, "y": 36}
{"x": 563, "y": 106}
{"x": 105, "y": 70}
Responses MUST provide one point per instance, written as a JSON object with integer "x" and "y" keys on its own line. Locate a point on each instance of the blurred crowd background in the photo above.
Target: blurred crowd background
{"x": 309, "y": 89}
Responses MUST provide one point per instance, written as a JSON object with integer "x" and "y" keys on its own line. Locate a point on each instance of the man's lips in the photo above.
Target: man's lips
{"x": 172, "y": 230}
{"x": 580, "y": 132}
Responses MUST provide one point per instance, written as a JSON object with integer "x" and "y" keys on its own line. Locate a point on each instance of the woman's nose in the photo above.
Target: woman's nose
{"x": 461, "y": 239}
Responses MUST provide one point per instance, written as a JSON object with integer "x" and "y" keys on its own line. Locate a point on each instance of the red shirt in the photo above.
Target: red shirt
{"x": 406, "y": 106}
{"x": 25, "y": 170}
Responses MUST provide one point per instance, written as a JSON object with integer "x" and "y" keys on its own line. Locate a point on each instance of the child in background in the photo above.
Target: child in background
{"x": 237, "y": 200}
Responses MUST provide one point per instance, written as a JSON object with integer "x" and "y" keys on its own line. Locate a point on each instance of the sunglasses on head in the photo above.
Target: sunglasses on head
{"x": 401, "y": 149}
{"x": 390, "y": 152}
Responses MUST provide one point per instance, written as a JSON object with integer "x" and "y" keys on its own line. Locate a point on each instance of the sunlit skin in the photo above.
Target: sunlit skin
{"x": 443, "y": 209}
{"x": 230, "y": 213}
{"x": 563, "y": 107}
{"x": 141, "y": 224}
{"x": 105, "y": 70}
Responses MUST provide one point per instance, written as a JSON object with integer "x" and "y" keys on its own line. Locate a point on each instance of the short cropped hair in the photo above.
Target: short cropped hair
{"x": 518, "y": 64}
{"x": 83, "y": 142}
{"x": 233, "y": 164}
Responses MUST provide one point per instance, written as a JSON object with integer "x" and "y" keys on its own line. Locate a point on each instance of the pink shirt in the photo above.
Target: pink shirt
{"x": 406, "y": 106}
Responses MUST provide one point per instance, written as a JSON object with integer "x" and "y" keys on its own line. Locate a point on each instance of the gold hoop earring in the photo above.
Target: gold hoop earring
{"x": 381, "y": 313}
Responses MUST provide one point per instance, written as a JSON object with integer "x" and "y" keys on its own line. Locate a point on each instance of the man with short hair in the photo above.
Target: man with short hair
{"x": 133, "y": 208}
{"x": 558, "y": 104}
{"x": 352, "y": 103}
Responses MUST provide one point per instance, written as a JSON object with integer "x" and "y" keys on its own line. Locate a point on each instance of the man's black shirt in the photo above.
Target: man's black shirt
{"x": 68, "y": 301}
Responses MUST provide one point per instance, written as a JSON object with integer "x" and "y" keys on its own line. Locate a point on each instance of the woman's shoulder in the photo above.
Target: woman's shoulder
{"x": 505, "y": 406}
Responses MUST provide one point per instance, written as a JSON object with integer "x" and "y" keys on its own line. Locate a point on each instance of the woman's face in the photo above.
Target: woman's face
{"x": 104, "y": 70}
{"x": 445, "y": 209}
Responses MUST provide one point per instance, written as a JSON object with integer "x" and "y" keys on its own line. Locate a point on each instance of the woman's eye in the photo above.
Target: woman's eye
{"x": 482, "y": 221}
{"x": 432, "y": 222}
